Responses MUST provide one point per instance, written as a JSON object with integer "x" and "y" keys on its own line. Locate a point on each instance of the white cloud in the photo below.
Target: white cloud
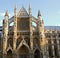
{"x": 3, "y": 13}
{"x": 2, "y": 17}
{"x": 57, "y": 25}
{"x": 1, "y": 20}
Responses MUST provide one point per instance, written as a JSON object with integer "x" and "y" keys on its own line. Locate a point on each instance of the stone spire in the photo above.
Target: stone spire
{"x": 40, "y": 26}
{"x": 30, "y": 10}
{"x": 5, "y": 31}
{"x": 39, "y": 14}
{"x": 6, "y": 14}
{"x": 15, "y": 10}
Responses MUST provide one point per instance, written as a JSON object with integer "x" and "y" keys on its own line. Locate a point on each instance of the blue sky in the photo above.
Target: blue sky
{"x": 50, "y": 9}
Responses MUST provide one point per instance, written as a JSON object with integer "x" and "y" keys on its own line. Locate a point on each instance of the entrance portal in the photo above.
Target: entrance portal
{"x": 37, "y": 54}
{"x": 23, "y": 52}
{"x": 9, "y": 54}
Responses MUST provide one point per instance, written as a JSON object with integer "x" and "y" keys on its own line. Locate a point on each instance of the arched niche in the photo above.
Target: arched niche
{"x": 23, "y": 52}
{"x": 9, "y": 54}
{"x": 10, "y": 41}
{"x": 38, "y": 54}
{"x": 36, "y": 41}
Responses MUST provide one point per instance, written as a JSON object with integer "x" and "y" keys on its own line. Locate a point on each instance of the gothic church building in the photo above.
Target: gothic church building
{"x": 27, "y": 37}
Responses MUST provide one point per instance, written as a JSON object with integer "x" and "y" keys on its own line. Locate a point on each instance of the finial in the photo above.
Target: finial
{"x": 30, "y": 6}
{"x": 39, "y": 14}
{"x": 22, "y": 5}
{"x": 15, "y": 10}
{"x": 15, "y": 6}
{"x": 30, "y": 9}
{"x": 6, "y": 14}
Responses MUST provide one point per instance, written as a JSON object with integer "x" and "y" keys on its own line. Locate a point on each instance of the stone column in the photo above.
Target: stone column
{"x": 4, "y": 55}
{"x": 43, "y": 47}
{"x": 15, "y": 28}
{"x": 31, "y": 54}
{"x": 5, "y": 34}
{"x": 31, "y": 32}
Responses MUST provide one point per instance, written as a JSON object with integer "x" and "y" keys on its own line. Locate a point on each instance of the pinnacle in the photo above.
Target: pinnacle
{"x": 39, "y": 14}
{"x": 6, "y": 14}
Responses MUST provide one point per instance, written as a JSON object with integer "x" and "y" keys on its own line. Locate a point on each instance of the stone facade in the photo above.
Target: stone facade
{"x": 27, "y": 37}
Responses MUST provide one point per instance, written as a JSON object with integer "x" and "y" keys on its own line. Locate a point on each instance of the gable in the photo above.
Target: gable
{"x": 22, "y": 12}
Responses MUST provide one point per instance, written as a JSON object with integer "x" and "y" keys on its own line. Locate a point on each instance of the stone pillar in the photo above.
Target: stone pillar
{"x": 40, "y": 26}
{"x": 15, "y": 55}
{"x": 15, "y": 28}
{"x": 31, "y": 41}
{"x": 5, "y": 34}
{"x": 31, "y": 54}
{"x": 31, "y": 35}
{"x": 4, "y": 56}
{"x": 57, "y": 47}
{"x": 30, "y": 25}
{"x": 42, "y": 38}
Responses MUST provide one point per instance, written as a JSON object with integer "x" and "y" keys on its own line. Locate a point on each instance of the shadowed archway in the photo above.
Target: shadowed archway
{"x": 37, "y": 54}
{"x": 23, "y": 52}
{"x": 9, "y": 54}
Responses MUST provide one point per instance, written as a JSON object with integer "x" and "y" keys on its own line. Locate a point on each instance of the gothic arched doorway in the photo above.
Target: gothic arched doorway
{"x": 23, "y": 52}
{"x": 37, "y": 54}
{"x": 9, "y": 54}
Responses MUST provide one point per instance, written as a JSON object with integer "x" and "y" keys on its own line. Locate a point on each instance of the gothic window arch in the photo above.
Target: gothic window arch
{"x": 23, "y": 52}
{"x": 37, "y": 54}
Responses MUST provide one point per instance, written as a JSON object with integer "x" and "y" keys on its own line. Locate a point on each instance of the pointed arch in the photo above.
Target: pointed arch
{"x": 36, "y": 49}
{"x": 27, "y": 39}
{"x": 9, "y": 54}
{"x": 22, "y": 43}
{"x": 23, "y": 52}
{"x": 38, "y": 53}
{"x": 24, "y": 48}
{"x": 19, "y": 39}
{"x": 9, "y": 48}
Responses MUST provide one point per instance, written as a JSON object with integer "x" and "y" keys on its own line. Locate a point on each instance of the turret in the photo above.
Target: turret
{"x": 39, "y": 16}
{"x": 43, "y": 41}
{"x": 40, "y": 26}
{"x": 40, "y": 23}
{"x": 5, "y": 31}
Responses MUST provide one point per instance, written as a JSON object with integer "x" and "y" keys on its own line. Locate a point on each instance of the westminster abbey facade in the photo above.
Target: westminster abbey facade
{"x": 27, "y": 37}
